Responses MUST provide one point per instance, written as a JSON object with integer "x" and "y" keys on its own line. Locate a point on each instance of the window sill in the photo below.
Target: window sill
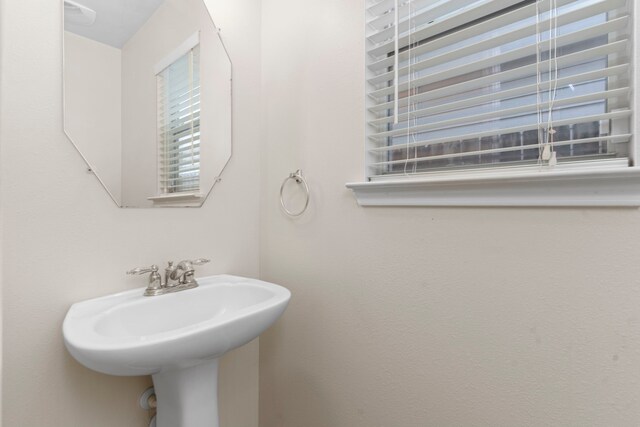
{"x": 571, "y": 187}
{"x": 173, "y": 197}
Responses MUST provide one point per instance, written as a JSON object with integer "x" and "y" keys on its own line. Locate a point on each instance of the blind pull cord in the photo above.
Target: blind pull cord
{"x": 411, "y": 136}
{"x": 396, "y": 62}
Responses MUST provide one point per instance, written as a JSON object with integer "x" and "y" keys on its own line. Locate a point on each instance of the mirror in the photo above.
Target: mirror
{"x": 147, "y": 98}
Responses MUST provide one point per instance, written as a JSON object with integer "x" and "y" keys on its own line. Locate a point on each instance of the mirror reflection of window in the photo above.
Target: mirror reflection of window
{"x": 147, "y": 98}
{"x": 179, "y": 120}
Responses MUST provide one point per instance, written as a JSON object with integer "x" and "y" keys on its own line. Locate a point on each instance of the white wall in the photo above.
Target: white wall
{"x": 169, "y": 26}
{"x": 2, "y": 38}
{"x": 414, "y": 317}
{"x": 93, "y": 102}
{"x": 399, "y": 317}
{"x": 64, "y": 240}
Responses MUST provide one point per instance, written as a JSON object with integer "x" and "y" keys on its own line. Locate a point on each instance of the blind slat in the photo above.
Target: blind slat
{"x": 521, "y": 90}
{"x": 179, "y": 129}
{"x": 442, "y": 12}
{"x": 181, "y": 147}
{"x": 475, "y": 10}
{"x": 430, "y": 12}
{"x": 562, "y": 61}
{"x": 497, "y": 132}
{"x": 491, "y": 24}
{"x": 512, "y": 55}
{"x": 574, "y": 142}
{"x": 502, "y": 113}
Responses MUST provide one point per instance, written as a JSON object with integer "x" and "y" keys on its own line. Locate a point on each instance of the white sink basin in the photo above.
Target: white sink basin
{"x": 177, "y": 338}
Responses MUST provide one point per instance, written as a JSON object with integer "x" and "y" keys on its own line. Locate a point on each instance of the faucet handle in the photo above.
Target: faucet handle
{"x": 200, "y": 261}
{"x": 155, "y": 280}
{"x": 143, "y": 270}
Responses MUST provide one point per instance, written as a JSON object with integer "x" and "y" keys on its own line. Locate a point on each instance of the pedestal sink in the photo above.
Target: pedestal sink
{"x": 177, "y": 338}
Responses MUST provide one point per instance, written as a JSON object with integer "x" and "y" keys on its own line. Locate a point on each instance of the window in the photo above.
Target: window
{"x": 463, "y": 90}
{"x": 178, "y": 92}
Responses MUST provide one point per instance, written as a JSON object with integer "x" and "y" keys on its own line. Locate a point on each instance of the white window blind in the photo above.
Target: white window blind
{"x": 455, "y": 85}
{"x": 178, "y": 91}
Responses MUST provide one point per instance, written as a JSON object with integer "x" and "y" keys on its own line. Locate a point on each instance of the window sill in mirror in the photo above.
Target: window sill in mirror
{"x": 561, "y": 186}
{"x": 173, "y": 197}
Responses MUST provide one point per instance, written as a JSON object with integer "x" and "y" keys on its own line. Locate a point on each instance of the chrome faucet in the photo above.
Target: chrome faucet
{"x": 176, "y": 278}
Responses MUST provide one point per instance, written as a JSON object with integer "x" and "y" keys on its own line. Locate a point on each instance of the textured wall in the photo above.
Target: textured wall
{"x": 65, "y": 241}
{"x": 93, "y": 105}
{"x": 426, "y": 317}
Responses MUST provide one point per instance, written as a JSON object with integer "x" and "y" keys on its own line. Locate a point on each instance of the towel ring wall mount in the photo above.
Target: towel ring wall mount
{"x": 299, "y": 179}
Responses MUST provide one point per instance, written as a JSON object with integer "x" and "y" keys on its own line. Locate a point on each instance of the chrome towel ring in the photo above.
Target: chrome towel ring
{"x": 297, "y": 176}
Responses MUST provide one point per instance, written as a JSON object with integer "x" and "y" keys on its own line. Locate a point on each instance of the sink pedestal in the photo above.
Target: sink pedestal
{"x": 188, "y": 397}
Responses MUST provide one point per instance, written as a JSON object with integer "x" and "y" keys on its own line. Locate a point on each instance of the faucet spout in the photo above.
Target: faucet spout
{"x": 182, "y": 270}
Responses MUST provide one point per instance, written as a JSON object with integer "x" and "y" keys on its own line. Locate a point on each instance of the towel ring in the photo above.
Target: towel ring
{"x": 298, "y": 178}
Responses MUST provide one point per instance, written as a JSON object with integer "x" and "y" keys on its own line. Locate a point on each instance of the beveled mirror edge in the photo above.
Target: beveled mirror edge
{"x": 226, "y": 52}
{"x": 88, "y": 165}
